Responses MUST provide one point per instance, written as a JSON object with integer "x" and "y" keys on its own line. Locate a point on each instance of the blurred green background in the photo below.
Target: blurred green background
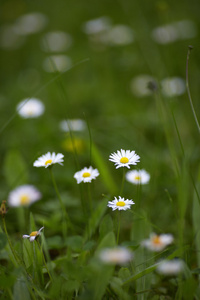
{"x": 98, "y": 69}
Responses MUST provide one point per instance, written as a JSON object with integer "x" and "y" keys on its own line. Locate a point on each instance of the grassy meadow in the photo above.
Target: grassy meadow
{"x": 106, "y": 76}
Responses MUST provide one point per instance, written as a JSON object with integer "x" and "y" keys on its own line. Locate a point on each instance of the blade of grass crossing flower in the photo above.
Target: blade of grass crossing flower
{"x": 103, "y": 170}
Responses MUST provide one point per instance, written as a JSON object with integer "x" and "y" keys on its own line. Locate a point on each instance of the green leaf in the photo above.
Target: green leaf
{"x": 75, "y": 242}
{"x": 15, "y": 169}
{"x": 20, "y": 290}
{"x": 95, "y": 219}
{"x": 116, "y": 285}
{"x": 3, "y": 240}
{"x": 105, "y": 226}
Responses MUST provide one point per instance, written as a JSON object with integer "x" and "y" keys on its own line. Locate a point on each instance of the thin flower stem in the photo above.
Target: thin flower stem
{"x": 44, "y": 260}
{"x": 188, "y": 88}
{"x": 123, "y": 179}
{"x": 119, "y": 225}
{"x": 66, "y": 220}
{"x": 90, "y": 197}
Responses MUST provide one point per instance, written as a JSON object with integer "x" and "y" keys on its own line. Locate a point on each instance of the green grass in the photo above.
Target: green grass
{"x": 64, "y": 261}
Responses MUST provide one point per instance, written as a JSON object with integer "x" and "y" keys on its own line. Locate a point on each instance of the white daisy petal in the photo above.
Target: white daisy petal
{"x": 86, "y": 175}
{"x": 49, "y": 159}
{"x": 120, "y": 204}
{"x": 30, "y": 108}
{"x": 170, "y": 267}
{"x": 124, "y": 158}
{"x": 118, "y": 255}
{"x": 33, "y": 235}
{"x": 138, "y": 177}
{"x": 23, "y": 195}
{"x": 158, "y": 242}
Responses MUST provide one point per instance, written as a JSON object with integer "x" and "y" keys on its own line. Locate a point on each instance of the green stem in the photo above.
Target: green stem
{"x": 89, "y": 197}
{"x": 119, "y": 225}
{"x": 44, "y": 260}
{"x": 123, "y": 179}
{"x": 18, "y": 260}
{"x": 188, "y": 88}
{"x": 66, "y": 221}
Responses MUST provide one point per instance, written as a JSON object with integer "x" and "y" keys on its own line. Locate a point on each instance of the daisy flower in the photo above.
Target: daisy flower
{"x": 33, "y": 235}
{"x": 86, "y": 175}
{"x": 138, "y": 177}
{"x": 120, "y": 204}
{"x": 124, "y": 158}
{"x": 49, "y": 159}
{"x": 158, "y": 242}
{"x": 170, "y": 267}
{"x": 118, "y": 255}
{"x": 74, "y": 125}
{"x": 30, "y": 108}
{"x": 23, "y": 195}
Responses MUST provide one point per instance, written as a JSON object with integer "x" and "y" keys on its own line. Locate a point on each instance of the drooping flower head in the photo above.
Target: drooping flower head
{"x": 23, "y": 195}
{"x": 120, "y": 204}
{"x": 158, "y": 242}
{"x": 117, "y": 255}
{"x": 49, "y": 159}
{"x": 30, "y": 108}
{"x": 86, "y": 175}
{"x": 124, "y": 158}
{"x": 170, "y": 267}
{"x": 33, "y": 235}
{"x": 138, "y": 177}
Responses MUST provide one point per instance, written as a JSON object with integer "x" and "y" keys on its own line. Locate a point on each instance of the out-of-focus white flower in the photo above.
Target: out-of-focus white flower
{"x": 96, "y": 26}
{"x": 173, "y": 86}
{"x": 172, "y": 32}
{"x": 140, "y": 85}
{"x": 30, "y": 108}
{"x": 49, "y": 159}
{"x": 33, "y": 235}
{"x": 118, "y": 255}
{"x": 124, "y": 158}
{"x": 86, "y": 175}
{"x": 30, "y": 23}
{"x": 138, "y": 177}
{"x": 158, "y": 242}
{"x": 118, "y": 35}
{"x": 57, "y": 63}
{"x": 170, "y": 267}
{"x": 74, "y": 125}
{"x": 120, "y": 204}
{"x": 56, "y": 41}
{"x": 23, "y": 195}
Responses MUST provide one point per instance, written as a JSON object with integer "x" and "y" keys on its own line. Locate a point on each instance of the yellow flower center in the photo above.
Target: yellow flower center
{"x": 34, "y": 233}
{"x": 156, "y": 240}
{"x": 86, "y": 174}
{"x": 120, "y": 203}
{"x": 124, "y": 160}
{"x": 24, "y": 199}
{"x": 137, "y": 178}
{"x": 49, "y": 161}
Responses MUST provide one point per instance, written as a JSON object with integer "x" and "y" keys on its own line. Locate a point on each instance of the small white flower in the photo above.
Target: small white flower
{"x": 23, "y": 195}
{"x": 33, "y": 235}
{"x": 86, "y": 175}
{"x": 118, "y": 255}
{"x": 120, "y": 204}
{"x": 173, "y": 86}
{"x": 49, "y": 159}
{"x": 124, "y": 158}
{"x": 74, "y": 125}
{"x": 158, "y": 242}
{"x": 30, "y": 108}
{"x": 138, "y": 177}
{"x": 170, "y": 267}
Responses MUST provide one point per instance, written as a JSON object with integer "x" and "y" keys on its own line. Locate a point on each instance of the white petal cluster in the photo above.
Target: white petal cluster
{"x": 138, "y": 177}
{"x": 118, "y": 255}
{"x": 86, "y": 175}
{"x": 158, "y": 242}
{"x": 33, "y": 235}
{"x": 30, "y": 108}
{"x": 120, "y": 204}
{"x": 49, "y": 159}
{"x": 23, "y": 195}
{"x": 124, "y": 158}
